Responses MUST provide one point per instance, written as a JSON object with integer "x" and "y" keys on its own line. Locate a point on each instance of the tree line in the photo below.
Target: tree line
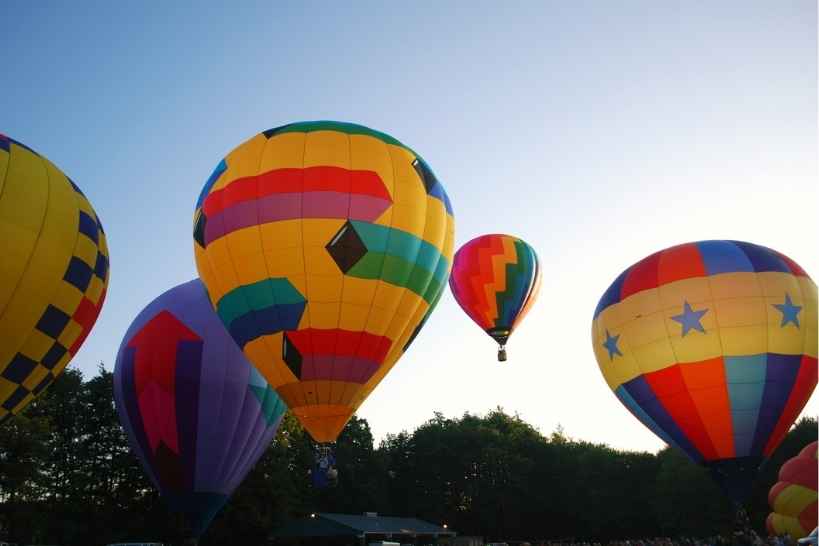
{"x": 68, "y": 477}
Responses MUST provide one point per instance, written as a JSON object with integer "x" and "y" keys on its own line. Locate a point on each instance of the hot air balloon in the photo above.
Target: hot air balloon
{"x": 324, "y": 247}
{"x": 793, "y": 497}
{"x": 53, "y": 273}
{"x": 197, "y": 414}
{"x": 712, "y": 345}
{"x": 495, "y": 279}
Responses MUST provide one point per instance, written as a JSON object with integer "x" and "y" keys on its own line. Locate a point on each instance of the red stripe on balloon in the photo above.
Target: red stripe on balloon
{"x": 642, "y": 276}
{"x": 670, "y": 389}
{"x": 680, "y": 262}
{"x": 291, "y": 180}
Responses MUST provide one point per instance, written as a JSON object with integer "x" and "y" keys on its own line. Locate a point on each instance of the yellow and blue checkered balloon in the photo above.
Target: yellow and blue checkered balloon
{"x": 53, "y": 273}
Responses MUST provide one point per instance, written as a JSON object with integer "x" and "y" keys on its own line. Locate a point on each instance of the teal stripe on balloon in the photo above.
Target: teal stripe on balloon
{"x": 520, "y": 278}
{"x": 746, "y": 384}
{"x": 255, "y": 297}
{"x": 404, "y": 246}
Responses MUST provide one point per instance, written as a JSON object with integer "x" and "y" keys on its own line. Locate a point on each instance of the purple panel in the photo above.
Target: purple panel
{"x": 641, "y": 392}
{"x": 186, "y": 384}
{"x": 354, "y": 369}
{"x": 281, "y": 206}
{"x": 780, "y": 377}
{"x": 325, "y": 204}
{"x": 366, "y": 207}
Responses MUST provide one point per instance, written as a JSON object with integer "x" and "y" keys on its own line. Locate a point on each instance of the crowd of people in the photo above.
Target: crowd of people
{"x": 747, "y": 537}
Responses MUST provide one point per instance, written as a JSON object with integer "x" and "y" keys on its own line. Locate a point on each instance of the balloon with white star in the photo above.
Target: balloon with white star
{"x": 712, "y": 345}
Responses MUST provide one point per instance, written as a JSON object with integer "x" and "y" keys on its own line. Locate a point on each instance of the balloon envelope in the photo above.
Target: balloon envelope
{"x": 53, "y": 273}
{"x": 197, "y": 414}
{"x": 324, "y": 247}
{"x": 793, "y": 497}
{"x": 712, "y": 345}
{"x": 495, "y": 279}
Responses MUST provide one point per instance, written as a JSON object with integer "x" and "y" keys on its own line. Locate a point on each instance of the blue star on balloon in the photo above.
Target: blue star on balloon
{"x": 611, "y": 345}
{"x": 690, "y": 319}
{"x": 789, "y": 311}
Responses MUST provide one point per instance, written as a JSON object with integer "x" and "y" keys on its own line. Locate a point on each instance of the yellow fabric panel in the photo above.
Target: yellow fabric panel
{"x": 742, "y": 311}
{"x": 242, "y": 162}
{"x": 317, "y": 232}
{"x": 285, "y": 262}
{"x": 436, "y": 223}
{"x": 283, "y": 151}
{"x": 378, "y": 320}
{"x": 353, "y": 317}
{"x": 211, "y": 279}
{"x": 744, "y": 340}
{"x": 808, "y": 316}
{"x": 268, "y": 363}
{"x": 94, "y": 290}
{"x": 68, "y": 297}
{"x": 409, "y": 212}
{"x": 788, "y": 339}
{"x": 22, "y": 210}
{"x": 86, "y": 250}
{"x": 322, "y": 391}
{"x": 37, "y": 374}
{"x": 620, "y": 369}
{"x": 449, "y": 241}
{"x": 317, "y": 261}
{"x": 284, "y": 234}
{"x": 735, "y": 285}
{"x": 4, "y": 163}
{"x": 324, "y": 315}
{"x": 6, "y": 388}
{"x": 70, "y": 333}
{"x": 370, "y": 154}
{"x": 397, "y": 348}
{"x": 654, "y": 356}
{"x": 775, "y": 284}
{"x": 46, "y": 264}
{"x": 359, "y": 291}
{"x": 327, "y": 149}
{"x": 646, "y": 329}
{"x": 250, "y": 267}
{"x": 387, "y": 297}
{"x": 324, "y": 288}
{"x": 36, "y": 345}
{"x": 793, "y": 499}
{"x": 243, "y": 242}
{"x": 696, "y": 291}
{"x": 696, "y": 346}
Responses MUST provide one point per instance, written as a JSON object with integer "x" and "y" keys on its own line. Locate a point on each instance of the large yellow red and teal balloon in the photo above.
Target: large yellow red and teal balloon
{"x": 712, "y": 345}
{"x": 324, "y": 246}
{"x": 793, "y": 497}
{"x": 495, "y": 279}
{"x": 53, "y": 273}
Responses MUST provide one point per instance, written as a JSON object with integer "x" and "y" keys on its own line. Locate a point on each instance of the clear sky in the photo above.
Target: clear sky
{"x": 597, "y": 131}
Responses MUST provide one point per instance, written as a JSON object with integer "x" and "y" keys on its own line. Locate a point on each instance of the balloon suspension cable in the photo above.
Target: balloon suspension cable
{"x": 501, "y": 353}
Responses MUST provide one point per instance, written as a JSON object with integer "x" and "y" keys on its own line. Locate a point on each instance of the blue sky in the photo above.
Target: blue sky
{"x": 597, "y": 131}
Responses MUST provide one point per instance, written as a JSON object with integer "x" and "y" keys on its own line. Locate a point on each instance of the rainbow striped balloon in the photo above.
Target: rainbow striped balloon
{"x": 495, "y": 279}
{"x": 712, "y": 345}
